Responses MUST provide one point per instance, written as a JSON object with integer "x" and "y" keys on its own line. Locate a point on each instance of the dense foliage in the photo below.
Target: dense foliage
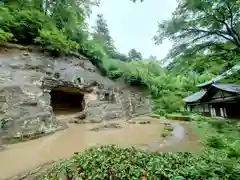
{"x": 219, "y": 160}
{"x": 202, "y": 24}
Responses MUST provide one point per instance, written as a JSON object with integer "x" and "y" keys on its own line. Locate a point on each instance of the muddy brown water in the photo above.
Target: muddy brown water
{"x": 21, "y": 157}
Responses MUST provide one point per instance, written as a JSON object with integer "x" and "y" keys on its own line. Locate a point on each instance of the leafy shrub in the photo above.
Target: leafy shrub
{"x": 114, "y": 68}
{"x": 218, "y": 124}
{"x": 5, "y": 36}
{"x": 115, "y": 74}
{"x": 110, "y": 162}
{"x": 185, "y": 113}
{"x": 95, "y": 53}
{"x": 26, "y": 25}
{"x": 199, "y": 118}
{"x": 55, "y": 41}
{"x": 215, "y": 142}
{"x": 6, "y": 18}
{"x": 234, "y": 152}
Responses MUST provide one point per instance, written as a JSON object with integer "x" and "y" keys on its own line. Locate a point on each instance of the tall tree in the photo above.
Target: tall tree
{"x": 68, "y": 13}
{"x": 134, "y": 55}
{"x": 101, "y": 33}
{"x": 152, "y": 57}
{"x": 65, "y": 13}
{"x": 197, "y": 25}
{"x": 84, "y": 5}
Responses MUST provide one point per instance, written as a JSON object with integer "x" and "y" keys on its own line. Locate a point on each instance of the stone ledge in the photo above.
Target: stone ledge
{"x": 30, "y": 136}
{"x": 35, "y": 48}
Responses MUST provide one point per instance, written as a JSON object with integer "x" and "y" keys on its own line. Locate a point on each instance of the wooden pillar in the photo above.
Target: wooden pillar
{"x": 225, "y": 112}
{"x": 212, "y": 111}
{"x": 221, "y": 112}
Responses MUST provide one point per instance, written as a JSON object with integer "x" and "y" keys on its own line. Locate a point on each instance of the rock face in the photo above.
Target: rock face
{"x": 34, "y": 85}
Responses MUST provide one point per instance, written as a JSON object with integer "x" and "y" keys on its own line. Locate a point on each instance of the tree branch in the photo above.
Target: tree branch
{"x": 218, "y": 33}
{"x": 235, "y": 39}
{"x": 231, "y": 21}
{"x": 231, "y": 33}
{"x": 231, "y": 14}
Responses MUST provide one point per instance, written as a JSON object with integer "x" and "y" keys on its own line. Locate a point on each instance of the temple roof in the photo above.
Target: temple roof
{"x": 231, "y": 71}
{"x": 195, "y": 97}
{"x": 234, "y": 88}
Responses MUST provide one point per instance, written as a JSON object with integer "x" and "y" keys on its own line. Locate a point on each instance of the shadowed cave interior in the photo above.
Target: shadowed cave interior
{"x": 67, "y": 100}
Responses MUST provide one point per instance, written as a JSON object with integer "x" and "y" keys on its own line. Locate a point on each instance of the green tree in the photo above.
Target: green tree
{"x": 151, "y": 57}
{"x": 134, "y": 55}
{"x": 67, "y": 13}
{"x": 201, "y": 24}
{"x": 101, "y": 33}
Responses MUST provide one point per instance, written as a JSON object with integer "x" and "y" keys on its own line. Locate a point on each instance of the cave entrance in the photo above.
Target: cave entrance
{"x": 67, "y": 100}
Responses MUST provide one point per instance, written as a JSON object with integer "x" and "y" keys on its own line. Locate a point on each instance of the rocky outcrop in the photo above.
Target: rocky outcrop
{"x": 27, "y": 79}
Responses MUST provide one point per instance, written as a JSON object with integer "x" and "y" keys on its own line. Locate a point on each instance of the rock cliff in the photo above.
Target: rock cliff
{"x": 35, "y": 86}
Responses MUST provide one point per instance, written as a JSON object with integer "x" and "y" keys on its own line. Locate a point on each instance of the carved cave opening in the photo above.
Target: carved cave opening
{"x": 67, "y": 100}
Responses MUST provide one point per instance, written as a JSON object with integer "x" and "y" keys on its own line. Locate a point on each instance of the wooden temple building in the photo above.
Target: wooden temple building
{"x": 216, "y": 100}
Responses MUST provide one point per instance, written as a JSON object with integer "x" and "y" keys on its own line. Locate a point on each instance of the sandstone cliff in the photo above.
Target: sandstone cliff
{"x": 34, "y": 86}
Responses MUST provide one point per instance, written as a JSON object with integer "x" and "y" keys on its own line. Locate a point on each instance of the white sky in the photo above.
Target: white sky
{"x": 133, "y": 25}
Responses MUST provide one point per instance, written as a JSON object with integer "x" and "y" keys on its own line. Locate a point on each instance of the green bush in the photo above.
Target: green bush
{"x": 26, "y": 25}
{"x": 219, "y": 125}
{"x": 95, "y": 53}
{"x": 215, "y": 142}
{"x": 234, "y": 152}
{"x": 199, "y": 118}
{"x": 110, "y": 162}
{"x": 5, "y": 36}
{"x": 6, "y": 18}
{"x": 114, "y": 68}
{"x": 55, "y": 41}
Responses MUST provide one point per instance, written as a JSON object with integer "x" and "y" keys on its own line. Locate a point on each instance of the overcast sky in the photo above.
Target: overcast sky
{"x": 133, "y": 25}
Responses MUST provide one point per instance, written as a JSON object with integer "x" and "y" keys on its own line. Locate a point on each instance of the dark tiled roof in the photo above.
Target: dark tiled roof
{"x": 195, "y": 97}
{"x": 231, "y": 71}
{"x": 234, "y": 88}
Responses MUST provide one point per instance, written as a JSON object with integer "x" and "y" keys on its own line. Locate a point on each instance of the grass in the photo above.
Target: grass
{"x": 220, "y": 135}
